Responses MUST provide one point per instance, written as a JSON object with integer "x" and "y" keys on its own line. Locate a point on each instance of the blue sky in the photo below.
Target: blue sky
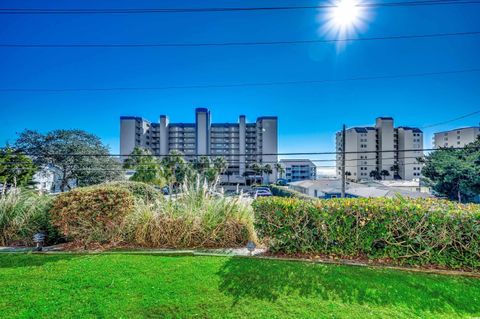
{"x": 308, "y": 114}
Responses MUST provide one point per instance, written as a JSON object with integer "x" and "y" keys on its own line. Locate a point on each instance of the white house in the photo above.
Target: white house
{"x": 49, "y": 180}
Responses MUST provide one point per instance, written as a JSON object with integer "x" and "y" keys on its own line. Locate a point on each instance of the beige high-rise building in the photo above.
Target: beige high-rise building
{"x": 382, "y": 147}
{"x": 458, "y": 137}
{"x": 241, "y": 143}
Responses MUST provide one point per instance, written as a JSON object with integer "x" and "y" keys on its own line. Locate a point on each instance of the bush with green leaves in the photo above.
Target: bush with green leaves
{"x": 93, "y": 215}
{"x": 139, "y": 190}
{"x": 22, "y": 214}
{"x": 404, "y": 231}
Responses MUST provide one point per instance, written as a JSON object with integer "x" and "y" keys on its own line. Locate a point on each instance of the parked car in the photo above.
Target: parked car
{"x": 262, "y": 193}
{"x": 262, "y": 188}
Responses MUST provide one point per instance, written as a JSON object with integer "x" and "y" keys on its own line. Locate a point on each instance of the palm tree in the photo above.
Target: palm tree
{"x": 267, "y": 169}
{"x": 174, "y": 168}
{"x": 384, "y": 173}
{"x": 395, "y": 169}
{"x": 257, "y": 169}
{"x": 280, "y": 170}
{"x": 375, "y": 174}
{"x": 220, "y": 165}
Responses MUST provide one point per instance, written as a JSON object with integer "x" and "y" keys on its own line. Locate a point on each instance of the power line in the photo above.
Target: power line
{"x": 245, "y": 154}
{"x": 42, "y": 11}
{"x": 452, "y": 120}
{"x": 248, "y": 84}
{"x": 237, "y": 162}
{"x": 220, "y": 44}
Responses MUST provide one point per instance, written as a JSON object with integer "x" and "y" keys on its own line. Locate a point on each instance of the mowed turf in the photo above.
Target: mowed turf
{"x": 153, "y": 286}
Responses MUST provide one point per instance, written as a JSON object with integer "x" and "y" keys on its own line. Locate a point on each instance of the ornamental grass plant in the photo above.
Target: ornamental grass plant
{"x": 22, "y": 214}
{"x": 197, "y": 218}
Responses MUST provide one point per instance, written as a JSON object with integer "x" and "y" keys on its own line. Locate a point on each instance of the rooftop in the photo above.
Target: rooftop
{"x": 458, "y": 129}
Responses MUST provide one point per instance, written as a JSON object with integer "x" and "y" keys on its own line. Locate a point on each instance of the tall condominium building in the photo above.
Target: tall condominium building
{"x": 240, "y": 143}
{"x": 456, "y": 138}
{"x": 298, "y": 170}
{"x": 381, "y": 147}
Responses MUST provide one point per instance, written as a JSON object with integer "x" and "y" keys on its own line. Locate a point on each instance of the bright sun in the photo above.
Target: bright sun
{"x": 346, "y": 18}
{"x": 345, "y": 13}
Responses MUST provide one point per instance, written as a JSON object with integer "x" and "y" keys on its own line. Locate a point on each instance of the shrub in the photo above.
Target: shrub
{"x": 195, "y": 219}
{"x": 282, "y": 191}
{"x": 92, "y": 214}
{"x": 406, "y": 231}
{"x": 22, "y": 214}
{"x": 139, "y": 190}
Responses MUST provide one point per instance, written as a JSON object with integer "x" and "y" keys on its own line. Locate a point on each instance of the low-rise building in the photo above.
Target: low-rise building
{"x": 298, "y": 170}
{"x": 49, "y": 180}
{"x": 458, "y": 137}
{"x": 331, "y": 188}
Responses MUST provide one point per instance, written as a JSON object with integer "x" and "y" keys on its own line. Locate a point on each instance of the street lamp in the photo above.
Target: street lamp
{"x": 39, "y": 239}
{"x": 251, "y": 247}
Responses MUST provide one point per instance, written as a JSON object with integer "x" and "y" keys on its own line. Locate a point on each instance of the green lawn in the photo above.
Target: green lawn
{"x": 152, "y": 286}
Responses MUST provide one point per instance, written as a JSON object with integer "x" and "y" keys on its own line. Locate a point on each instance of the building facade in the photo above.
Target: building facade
{"x": 241, "y": 143}
{"x": 49, "y": 180}
{"x": 298, "y": 170}
{"x": 457, "y": 137}
{"x": 382, "y": 147}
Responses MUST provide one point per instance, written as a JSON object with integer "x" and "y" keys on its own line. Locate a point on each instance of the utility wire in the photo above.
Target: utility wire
{"x": 452, "y": 120}
{"x": 224, "y": 9}
{"x": 220, "y": 44}
{"x": 246, "y": 154}
{"x": 235, "y": 162}
{"x": 247, "y": 84}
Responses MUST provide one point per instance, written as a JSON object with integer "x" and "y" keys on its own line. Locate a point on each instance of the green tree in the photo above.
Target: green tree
{"x": 280, "y": 170}
{"x": 375, "y": 174}
{"x": 77, "y": 154}
{"x": 267, "y": 170}
{"x": 15, "y": 168}
{"x": 257, "y": 170}
{"x": 454, "y": 173}
{"x": 348, "y": 174}
{"x": 147, "y": 167}
{"x": 395, "y": 168}
{"x": 384, "y": 173}
{"x": 175, "y": 169}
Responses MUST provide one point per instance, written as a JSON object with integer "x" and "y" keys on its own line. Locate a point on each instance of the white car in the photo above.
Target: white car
{"x": 262, "y": 193}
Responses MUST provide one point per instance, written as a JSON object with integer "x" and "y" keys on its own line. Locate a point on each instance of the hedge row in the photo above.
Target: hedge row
{"x": 286, "y": 192}
{"x": 404, "y": 231}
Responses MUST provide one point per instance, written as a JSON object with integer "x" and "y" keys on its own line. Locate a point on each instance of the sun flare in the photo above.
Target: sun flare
{"x": 346, "y": 18}
{"x": 345, "y": 13}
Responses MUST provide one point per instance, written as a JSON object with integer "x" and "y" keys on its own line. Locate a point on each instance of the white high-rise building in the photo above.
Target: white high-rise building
{"x": 241, "y": 144}
{"x": 381, "y": 147}
{"x": 298, "y": 170}
{"x": 458, "y": 137}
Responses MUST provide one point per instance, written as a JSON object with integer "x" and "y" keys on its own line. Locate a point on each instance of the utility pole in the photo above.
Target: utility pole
{"x": 343, "y": 161}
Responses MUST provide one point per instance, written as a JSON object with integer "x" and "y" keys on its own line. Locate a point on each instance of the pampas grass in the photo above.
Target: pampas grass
{"x": 197, "y": 218}
{"x": 22, "y": 214}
